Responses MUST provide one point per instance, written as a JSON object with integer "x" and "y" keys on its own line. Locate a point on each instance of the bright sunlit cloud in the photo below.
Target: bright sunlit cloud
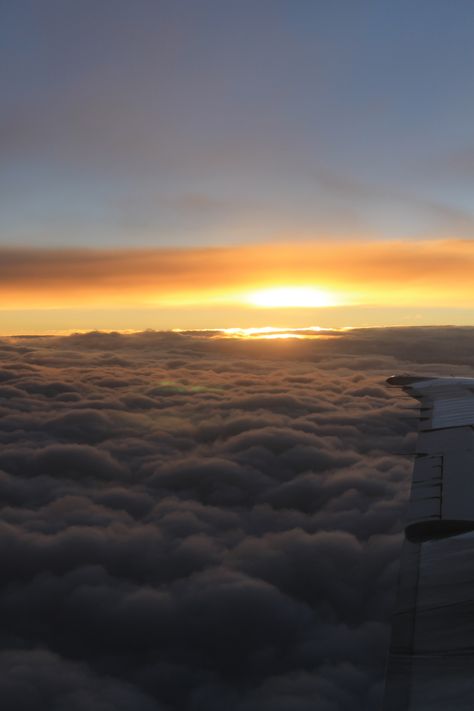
{"x": 292, "y": 297}
{"x": 273, "y": 333}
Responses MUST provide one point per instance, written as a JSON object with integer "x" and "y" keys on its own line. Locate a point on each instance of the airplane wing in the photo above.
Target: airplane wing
{"x": 431, "y": 657}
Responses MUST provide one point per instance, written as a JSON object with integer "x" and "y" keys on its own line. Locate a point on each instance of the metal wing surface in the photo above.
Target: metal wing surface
{"x": 431, "y": 658}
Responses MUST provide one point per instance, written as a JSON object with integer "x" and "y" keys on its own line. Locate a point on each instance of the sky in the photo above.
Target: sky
{"x": 147, "y": 147}
{"x": 198, "y": 523}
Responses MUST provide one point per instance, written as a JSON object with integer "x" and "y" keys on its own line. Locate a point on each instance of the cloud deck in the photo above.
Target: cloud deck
{"x": 195, "y": 524}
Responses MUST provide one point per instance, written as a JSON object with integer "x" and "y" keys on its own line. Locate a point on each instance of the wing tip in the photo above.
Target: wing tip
{"x": 405, "y": 381}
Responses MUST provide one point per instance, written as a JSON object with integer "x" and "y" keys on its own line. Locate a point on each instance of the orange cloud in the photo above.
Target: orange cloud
{"x": 435, "y": 273}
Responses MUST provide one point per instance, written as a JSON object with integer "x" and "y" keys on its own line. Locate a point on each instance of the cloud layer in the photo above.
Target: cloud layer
{"x": 192, "y": 524}
{"x": 430, "y": 273}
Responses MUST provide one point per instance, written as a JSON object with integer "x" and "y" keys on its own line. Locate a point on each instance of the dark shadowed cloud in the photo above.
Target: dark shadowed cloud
{"x": 197, "y": 524}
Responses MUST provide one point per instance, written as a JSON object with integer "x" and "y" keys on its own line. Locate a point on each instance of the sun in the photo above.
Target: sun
{"x": 288, "y": 297}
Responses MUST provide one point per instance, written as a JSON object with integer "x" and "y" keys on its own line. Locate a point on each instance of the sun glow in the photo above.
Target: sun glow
{"x": 292, "y": 297}
{"x": 276, "y": 333}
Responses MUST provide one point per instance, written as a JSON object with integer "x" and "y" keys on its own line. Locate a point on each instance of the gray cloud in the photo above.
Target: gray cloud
{"x": 194, "y": 524}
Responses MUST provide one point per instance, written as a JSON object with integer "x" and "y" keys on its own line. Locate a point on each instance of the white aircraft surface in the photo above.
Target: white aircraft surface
{"x": 431, "y": 658}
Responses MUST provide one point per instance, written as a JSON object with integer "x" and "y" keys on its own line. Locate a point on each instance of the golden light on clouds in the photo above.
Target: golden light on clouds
{"x": 237, "y": 286}
{"x": 273, "y": 333}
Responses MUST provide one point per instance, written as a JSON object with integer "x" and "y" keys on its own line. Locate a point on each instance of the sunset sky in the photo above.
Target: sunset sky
{"x": 225, "y": 224}
{"x": 209, "y": 164}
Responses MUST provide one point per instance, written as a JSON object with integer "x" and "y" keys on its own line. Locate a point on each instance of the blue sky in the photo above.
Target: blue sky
{"x": 220, "y": 122}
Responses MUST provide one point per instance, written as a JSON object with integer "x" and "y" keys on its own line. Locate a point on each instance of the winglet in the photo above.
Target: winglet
{"x": 404, "y": 381}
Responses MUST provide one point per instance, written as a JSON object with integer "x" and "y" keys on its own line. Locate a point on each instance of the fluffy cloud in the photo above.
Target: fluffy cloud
{"x": 191, "y": 523}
